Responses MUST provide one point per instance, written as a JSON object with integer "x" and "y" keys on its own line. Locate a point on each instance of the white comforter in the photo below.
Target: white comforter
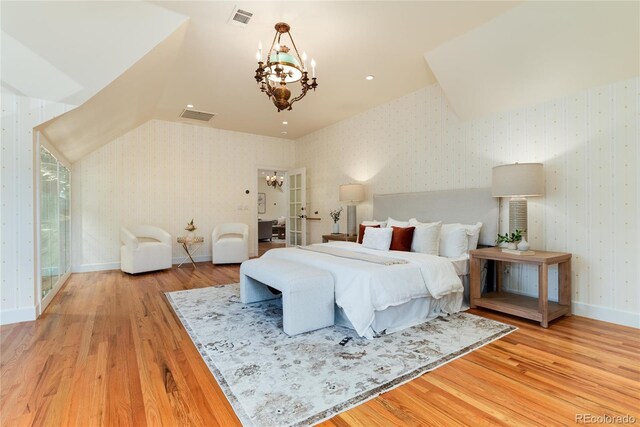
{"x": 362, "y": 288}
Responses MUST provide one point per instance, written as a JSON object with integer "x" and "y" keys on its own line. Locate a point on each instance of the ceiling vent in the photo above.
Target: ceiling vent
{"x": 196, "y": 115}
{"x": 240, "y": 17}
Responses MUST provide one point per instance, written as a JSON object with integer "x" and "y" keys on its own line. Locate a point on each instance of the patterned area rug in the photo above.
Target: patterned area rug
{"x": 272, "y": 379}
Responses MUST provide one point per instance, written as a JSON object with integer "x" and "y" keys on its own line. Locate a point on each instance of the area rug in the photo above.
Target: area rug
{"x": 272, "y": 379}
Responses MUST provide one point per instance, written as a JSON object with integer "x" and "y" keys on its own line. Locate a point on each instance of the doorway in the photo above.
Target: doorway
{"x": 271, "y": 199}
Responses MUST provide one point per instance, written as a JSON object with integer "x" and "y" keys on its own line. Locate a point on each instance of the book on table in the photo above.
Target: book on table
{"x": 517, "y": 252}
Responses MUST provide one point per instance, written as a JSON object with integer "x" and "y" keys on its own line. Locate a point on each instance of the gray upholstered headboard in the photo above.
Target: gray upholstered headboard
{"x": 448, "y": 206}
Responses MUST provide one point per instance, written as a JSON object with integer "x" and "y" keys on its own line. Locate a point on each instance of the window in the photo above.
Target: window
{"x": 55, "y": 230}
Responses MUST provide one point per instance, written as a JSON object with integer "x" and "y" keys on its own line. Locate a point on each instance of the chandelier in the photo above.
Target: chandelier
{"x": 274, "y": 181}
{"x": 281, "y": 68}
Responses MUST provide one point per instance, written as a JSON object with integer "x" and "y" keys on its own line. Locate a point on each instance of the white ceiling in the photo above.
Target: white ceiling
{"x": 123, "y": 105}
{"x": 349, "y": 40}
{"x": 199, "y": 59}
{"x": 577, "y": 45}
{"x": 68, "y": 51}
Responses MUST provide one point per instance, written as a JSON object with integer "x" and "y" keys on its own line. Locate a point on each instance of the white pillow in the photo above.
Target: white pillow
{"x": 382, "y": 224}
{"x": 395, "y": 223}
{"x": 413, "y": 222}
{"x": 473, "y": 235}
{"x": 453, "y": 240}
{"x": 426, "y": 237}
{"x": 377, "y": 238}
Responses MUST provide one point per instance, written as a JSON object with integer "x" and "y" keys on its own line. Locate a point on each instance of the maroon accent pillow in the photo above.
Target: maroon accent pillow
{"x": 401, "y": 238}
{"x": 361, "y": 233}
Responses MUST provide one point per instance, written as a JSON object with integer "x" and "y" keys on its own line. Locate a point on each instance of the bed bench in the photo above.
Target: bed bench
{"x": 307, "y": 292}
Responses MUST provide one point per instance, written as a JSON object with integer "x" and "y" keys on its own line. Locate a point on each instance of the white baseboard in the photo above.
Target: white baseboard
{"x": 87, "y": 268}
{"x": 606, "y": 314}
{"x": 197, "y": 258}
{"x": 22, "y": 314}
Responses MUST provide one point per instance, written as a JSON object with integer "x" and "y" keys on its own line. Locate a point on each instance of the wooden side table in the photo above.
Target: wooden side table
{"x": 191, "y": 245}
{"x": 343, "y": 237}
{"x": 539, "y": 309}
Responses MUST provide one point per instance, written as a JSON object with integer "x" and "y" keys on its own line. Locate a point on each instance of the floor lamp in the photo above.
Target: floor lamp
{"x": 351, "y": 193}
{"x": 518, "y": 181}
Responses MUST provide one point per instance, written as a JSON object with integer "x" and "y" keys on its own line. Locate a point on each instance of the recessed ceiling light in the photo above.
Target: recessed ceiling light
{"x": 189, "y": 105}
{"x": 284, "y": 132}
{"x": 370, "y": 77}
{"x": 285, "y": 123}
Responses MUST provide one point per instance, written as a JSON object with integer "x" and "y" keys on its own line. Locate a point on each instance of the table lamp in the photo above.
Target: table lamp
{"x": 518, "y": 181}
{"x": 351, "y": 193}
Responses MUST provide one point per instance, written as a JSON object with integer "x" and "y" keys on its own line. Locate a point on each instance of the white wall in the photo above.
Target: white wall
{"x": 166, "y": 173}
{"x": 18, "y": 299}
{"x": 589, "y": 146}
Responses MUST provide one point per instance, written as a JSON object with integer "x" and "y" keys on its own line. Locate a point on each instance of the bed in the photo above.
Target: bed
{"x": 378, "y": 299}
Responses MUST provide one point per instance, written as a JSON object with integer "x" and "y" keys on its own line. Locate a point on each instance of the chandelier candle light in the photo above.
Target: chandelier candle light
{"x": 283, "y": 67}
{"x": 274, "y": 181}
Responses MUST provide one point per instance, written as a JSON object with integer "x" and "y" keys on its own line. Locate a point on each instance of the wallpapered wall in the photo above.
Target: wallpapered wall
{"x": 588, "y": 144}
{"x": 165, "y": 173}
{"x": 17, "y": 252}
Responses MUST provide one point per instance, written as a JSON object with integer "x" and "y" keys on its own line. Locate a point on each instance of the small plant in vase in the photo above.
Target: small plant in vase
{"x": 335, "y": 216}
{"x": 510, "y": 239}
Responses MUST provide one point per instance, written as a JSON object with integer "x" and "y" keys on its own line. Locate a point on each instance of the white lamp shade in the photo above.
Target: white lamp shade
{"x": 351, "y": 192}
{"x": 518, "y": 179}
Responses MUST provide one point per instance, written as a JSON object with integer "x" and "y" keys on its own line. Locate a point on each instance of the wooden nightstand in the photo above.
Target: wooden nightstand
{"x": 342, "y": 237}
{"x": 539, "y": 309}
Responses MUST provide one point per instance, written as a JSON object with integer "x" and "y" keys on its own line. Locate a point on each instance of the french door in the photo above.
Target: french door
{"x": 297, "y": 200}
{"x": 55, "y": 225}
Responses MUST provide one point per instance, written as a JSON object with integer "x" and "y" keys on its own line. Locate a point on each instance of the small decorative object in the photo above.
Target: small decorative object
{"x": 523, "y": 245}
{"x": 335, "y": 216}
{"x": 510, "y": 239}
{"x": 191, "y": 226}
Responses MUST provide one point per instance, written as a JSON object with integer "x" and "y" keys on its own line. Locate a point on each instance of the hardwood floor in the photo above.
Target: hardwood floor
{"x": 110, "y": 351}
{"x": 265, "y": 246}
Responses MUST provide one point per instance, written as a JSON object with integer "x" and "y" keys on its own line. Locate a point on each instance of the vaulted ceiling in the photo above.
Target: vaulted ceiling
{"x": 124, "y": 63}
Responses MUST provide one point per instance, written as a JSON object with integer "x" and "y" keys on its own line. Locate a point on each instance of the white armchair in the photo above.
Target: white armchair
{"x": 230, "y": 243}
{"x": 144, "y": 248}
